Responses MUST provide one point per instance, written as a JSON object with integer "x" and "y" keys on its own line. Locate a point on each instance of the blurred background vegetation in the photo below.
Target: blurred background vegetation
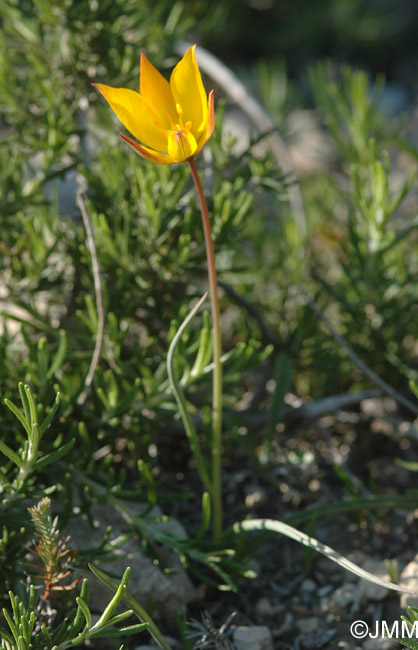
{"x": 350, "y": 139}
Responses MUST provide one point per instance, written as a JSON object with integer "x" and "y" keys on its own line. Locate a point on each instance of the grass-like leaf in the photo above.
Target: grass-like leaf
{"x": 310, "y": 542}
{"x": 181, "y": 400}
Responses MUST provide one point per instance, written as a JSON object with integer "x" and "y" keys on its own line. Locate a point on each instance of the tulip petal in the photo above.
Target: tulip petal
{"x": 188, "y": 91}
{"x": 181, "y": 145}
{"x": 210, "y": 124}
{"x": 211, "y": 115}
{"x": 157, "y": 92}
{"x": 145, "y": 152}
{"x": 134, "y": 113}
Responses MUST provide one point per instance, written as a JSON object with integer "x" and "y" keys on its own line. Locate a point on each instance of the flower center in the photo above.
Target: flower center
{"x": 180, "y": 127}
{"x": 181, "y": 143}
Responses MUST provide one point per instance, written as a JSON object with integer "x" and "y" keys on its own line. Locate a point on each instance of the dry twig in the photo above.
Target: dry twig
{"x": 398, "y": 397}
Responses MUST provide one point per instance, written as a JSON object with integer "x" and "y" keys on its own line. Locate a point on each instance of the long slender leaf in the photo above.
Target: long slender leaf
{"x": 181, "y": 400}
{"x": 5, "y": 449}
{"x": 85, "y": 609}
{"x": 22, "y": 419}
{"x": 310, "y": 542}
{"x": 113, "y": 604}
{"x": 54, "y": 455}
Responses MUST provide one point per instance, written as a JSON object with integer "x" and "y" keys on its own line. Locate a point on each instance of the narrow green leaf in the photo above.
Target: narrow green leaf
{"x": 59, "y": 357}
{"x": 139, "y": 611}
{"x": 216, "y": 568}
{"x": 31, "y": 602}
{"x": 24, "y": 398}
{"x": 25, "y": 423}
{"x": 47, "y": 421}
{"x": 34, "y": 444}
{"x": 181, "y": 400}
{"x": 282, "y": 376}
{"x": 413, "y": 225}
{"x": 6, "y": 636}
{"x": 15, "y": 602}
{"x": 132, "y": 629}
{"x": 47, "y": 634}
{"x": 79, "y": 616}
{"x": 149, "y": 481}
{"x": 85, "y": 609}
{"x": 408, "y": 643}
{"x": 206, "y": 512}
{"x": 32, "y": 406}
{"x": 310, "y": 542}
{"x": 397, "y": 200}
{"x": 10, "y": 623}
{"x": 205, "y": 344}
{"x": 408, "y": 464}
{"x": 114, "y": 603}
{"x": 54, "y": 455}
{"x": 5, "y": 449}
{"x": 21, "y": 644}
{"x": 120, "y": 617}
{"x": 117, "y": 632}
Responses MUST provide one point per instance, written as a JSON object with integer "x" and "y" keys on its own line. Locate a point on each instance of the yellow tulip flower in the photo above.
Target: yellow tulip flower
{"x": 172, "y": 120}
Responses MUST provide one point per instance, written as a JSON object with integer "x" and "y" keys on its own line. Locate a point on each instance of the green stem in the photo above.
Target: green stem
{"x": 217, "y": 367}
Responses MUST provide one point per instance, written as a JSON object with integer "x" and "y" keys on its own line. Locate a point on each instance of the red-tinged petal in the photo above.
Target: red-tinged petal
{"x": 148, "y": 154}
{"x": 211, "y": 115}
{"x": 188, "y": 91}
{"x": 134, "y": 113}
{"x": 157, "y": 92}
{"x": 210, "y": 124}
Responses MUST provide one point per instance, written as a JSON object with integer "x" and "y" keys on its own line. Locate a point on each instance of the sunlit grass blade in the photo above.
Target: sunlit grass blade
{"x": 310, "y": 542}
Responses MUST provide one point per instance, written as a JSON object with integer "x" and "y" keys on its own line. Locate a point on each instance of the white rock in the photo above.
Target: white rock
{"x": 324, "y": 591}
{"x": 308, "y": 625}
{"x": 370, "y": 590}
{"x": 264, "y": 608}
{"x": 409, "y": 578}
{"x": 309, "y": 586}
{"x": 286, "y": 626}
{"x": 344, "y": 596}
{"x": 148, "y": 583}
{"x": 257, "y": 637}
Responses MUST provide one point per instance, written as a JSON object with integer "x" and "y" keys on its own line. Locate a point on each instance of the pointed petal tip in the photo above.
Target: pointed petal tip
{"x": 101, "y": 88}
{"x": 211, "y": 114}
{"x": 192, "y": 50}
